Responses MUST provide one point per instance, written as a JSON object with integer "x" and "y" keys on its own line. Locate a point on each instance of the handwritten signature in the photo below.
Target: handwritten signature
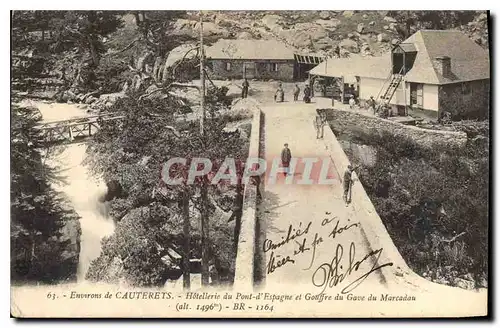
{"x": 330, "y": 274}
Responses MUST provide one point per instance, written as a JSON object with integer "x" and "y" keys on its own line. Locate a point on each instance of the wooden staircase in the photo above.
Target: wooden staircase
{"x": 389, "y": 91}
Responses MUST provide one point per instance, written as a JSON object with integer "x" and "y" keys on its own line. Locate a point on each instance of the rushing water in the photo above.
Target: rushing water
{"x": 82, "y": 190}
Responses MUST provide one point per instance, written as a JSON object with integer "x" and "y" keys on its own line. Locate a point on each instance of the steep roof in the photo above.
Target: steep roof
{"x": 468, "y": 60}
{"x": 376, "y": 67}
{"x": 250, "y": 49}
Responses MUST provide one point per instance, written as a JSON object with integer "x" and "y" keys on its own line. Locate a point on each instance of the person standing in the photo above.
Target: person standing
{"x": 279, "y": 96}
{"x": 286, "y": 157}
{"x": 347, "y": 184}
{"x": 307, "y": 94}
{"x": 352, "y": 102}
{"x": 371, "y": 104}
{"x": 319, "y": 124}
{"x": 244, "y": 89}
{"x": 296, "y": 92}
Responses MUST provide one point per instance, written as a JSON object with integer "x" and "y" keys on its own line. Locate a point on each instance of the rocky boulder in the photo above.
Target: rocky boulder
{"x": 272, "y": 21}
{"x": 192, "y": 28}
{"x": 390, "y": 19}
{"x": 324, "y": 15}
{"x": 349, "y": 45}
{"x": 107, "y": 100}
{"x": 323, "y": 44}
{"x": 305, "y": 35}
{"x": 361, "y": 28}
{"x": 465, "y": 284}
{"x": 245, "y": 35}
{"x": 348, "y": 13}
{"x": 382, "y": 37}
{"x": 330, "y": 24}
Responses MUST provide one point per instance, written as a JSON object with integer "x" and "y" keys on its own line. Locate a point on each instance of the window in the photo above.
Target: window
{"x": 228, "y": 66}
{"x": 466, "y": 89}
{"x": 274, "y": 67}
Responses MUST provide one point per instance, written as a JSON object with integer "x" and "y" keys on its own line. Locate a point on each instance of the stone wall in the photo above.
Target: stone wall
{"x": 473, "y": 104}
{"x": 244, "y": 275}
{"x": 373, "y": 228}
{"x": 285, "y": 70}
{"x": 424, "y": 137}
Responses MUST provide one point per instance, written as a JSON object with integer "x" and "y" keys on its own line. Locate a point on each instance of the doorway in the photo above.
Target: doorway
{"x": 249, "y": 70}
{"x": 417, "y": 95}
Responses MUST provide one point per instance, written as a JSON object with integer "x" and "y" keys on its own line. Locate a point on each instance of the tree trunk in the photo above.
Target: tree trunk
{"x": 156, "y": 69}
{"x": 93, "y": 52}
{"x": 165, "y": 72}
{"x": 205, "y": 274}
{"x": 187, "y": 241}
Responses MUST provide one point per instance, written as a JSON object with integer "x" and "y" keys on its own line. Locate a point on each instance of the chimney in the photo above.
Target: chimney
{"x": 443, "y": 65}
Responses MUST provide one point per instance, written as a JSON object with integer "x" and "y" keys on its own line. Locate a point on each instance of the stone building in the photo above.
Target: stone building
{"x": 431, "y": 72}
{"x": 258, "y": 59}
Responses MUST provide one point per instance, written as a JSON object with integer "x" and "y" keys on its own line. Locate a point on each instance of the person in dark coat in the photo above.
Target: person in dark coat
{"x": 307, "y": 94}
{"x": 244, "y": 89}
{"x": 286, "y": 157}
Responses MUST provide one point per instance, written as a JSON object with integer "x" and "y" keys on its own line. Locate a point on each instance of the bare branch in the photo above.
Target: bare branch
{"x": 184, "y": 57}
{"x": 454, "y": 238}
{"x": 124, "y": 49}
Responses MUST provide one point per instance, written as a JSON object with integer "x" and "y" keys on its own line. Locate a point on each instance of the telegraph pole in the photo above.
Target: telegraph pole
{"x": 205, "y": 269}
{"x": 202, "y": 78}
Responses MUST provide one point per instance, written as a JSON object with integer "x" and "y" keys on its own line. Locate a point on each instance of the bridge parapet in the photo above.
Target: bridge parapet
{"x": 244, "y": 276}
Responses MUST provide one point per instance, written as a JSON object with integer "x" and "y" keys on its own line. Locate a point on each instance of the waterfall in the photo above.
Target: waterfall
{"x": 84, "y": 193}
{"x": 82, "y": 190}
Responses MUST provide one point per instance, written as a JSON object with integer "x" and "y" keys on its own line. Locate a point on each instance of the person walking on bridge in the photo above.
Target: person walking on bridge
{"x": 319, "y": 124}
{"x": 286, "y": 157}
{"x": 347, "y": 184}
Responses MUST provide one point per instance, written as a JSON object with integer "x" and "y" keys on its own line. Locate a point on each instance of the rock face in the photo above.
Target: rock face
{"x": 70, "y": 236}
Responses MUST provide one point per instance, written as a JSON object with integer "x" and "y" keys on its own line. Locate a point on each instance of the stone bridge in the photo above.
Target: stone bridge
{"x": 302, "y": 238}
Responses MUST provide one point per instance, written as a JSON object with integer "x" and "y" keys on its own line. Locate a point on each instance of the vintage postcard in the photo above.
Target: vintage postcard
{"x": 257, "y": 164}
